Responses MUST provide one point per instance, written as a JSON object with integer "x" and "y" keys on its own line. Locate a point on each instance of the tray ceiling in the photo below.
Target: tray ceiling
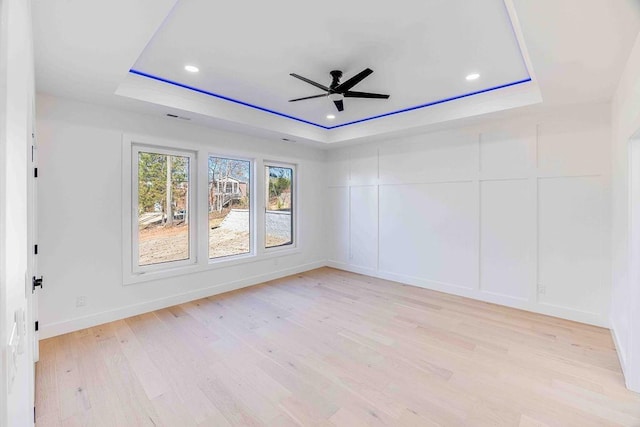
{"x": 420, "y": 51}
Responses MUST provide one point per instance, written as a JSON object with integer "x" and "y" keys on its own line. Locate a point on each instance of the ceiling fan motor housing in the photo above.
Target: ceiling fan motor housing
{"x": 336, "y": 74}
{"x": 337, "y": 91}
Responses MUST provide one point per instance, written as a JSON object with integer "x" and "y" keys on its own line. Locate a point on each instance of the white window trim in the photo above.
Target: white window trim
{"x": 252, "y": 209}
{"x": 295, "y": 180}
{"x": 136, "y": 149}
{"x": 199, "y": 218}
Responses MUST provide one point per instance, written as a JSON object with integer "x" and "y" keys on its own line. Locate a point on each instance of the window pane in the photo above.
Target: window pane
{"x": 163, "y": 201}
{"x": 279, "y": 215}
{"x": 229, "y": 207}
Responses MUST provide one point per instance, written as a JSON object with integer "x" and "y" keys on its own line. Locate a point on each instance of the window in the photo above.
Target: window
{"x": 162, "y": 208}
{"x": 229, "y": 207}
{"x": 279, "y": 205}
{"x": 187, "y": 210}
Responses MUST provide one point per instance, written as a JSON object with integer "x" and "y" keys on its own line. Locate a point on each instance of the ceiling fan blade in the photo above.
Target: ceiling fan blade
{"x": 345, "y": 86}
{"x": 339, "y": 105}
{"x": 350, "y": 94}
{"x": 311, "y": 82}
{"x": 308, "y": 97}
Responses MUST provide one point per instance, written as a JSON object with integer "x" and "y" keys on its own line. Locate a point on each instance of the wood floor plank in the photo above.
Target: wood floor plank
{"x": 150, "y": 377}
{"x": 332, "y": 348}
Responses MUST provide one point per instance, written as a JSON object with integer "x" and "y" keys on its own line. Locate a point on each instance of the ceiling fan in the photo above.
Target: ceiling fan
{"x": 338, "y": 91}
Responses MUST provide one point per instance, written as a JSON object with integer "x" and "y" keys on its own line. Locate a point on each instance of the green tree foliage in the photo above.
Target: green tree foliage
{"x": 279, "y": 188}
{"x": 279, "y": 181}
{"x": 152, "y": 180}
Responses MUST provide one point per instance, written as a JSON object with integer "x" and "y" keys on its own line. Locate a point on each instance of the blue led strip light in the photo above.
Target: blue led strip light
{"x": 429, "y": 104}
{"x": 226, "y": 98}
{"x": 257, "y": 107}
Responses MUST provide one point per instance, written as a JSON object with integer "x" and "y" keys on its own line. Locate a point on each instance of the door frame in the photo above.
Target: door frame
{"x": 632, "y": 339}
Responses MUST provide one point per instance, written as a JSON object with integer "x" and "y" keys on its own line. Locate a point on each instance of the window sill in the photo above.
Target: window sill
{"x": 211, "y": 264}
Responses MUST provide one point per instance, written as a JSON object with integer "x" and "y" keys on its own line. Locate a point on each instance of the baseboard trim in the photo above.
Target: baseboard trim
{"x": 59, "y": 328}
{"x": 619, "y": 351}
{"x": 476, "y": 294}
{"x": 64, "y": 327}
{"x": 631, "y": 378}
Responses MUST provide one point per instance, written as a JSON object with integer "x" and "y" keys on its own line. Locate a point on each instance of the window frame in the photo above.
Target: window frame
{"x": 294, "y": 207}
{"x": 199, "y": 208}
{"x": 137, "y": 148}
{"x": 252, "y": 210}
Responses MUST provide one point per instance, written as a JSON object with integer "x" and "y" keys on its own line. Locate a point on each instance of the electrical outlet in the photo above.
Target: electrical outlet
{"x": 542, "y": 289}
{"x": 81, "y": 301}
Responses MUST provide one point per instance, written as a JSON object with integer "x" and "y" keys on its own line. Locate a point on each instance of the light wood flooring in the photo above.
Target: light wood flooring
{"x": 329, "y": 348}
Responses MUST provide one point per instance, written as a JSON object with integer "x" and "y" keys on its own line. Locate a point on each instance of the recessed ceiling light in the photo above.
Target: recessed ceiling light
{"x": 330, "y": 116}
{"x": 473, "y": 76}
{"x": 191, "y": 68}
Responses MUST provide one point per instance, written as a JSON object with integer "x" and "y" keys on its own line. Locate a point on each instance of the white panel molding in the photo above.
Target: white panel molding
{"x": 533, "y": 237}
{"x": 364, "y": 227}
{"x": 458, "y": 156}
{"x": 430, "y": 229}
{"x": 478, "y": 193}
{"x": 338, "y": 223}
{"x": 561, "y": 312}
{"x": 59, "y": 328}
{"x": 442, "y": 180}
{"x": 534, "y": 295}
{"x": 571, "y": 174}
{"x": 571, "y": 246}
{"x": 478, "y": 242}
{"x": 501, "y": 295}
{"x": 378, "y": 222}
{"x": 498, "y": 176}
{"x": 563, "y": 307}
{"x": 505, "y": 211}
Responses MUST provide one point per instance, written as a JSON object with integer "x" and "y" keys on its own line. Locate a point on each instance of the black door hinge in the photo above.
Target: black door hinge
{"x": 36, "y": 326}
{"x": 35, "y": 249}
{"x": 37, "y": 283}
{"x": 35, "y": 172}
{"x": 34, "y": 414}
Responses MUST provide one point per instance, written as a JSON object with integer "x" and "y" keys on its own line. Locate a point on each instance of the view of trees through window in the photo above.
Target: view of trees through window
{"x": 229, "y": 207}
{"x": 279, "y": 202}
{"x": 163, "y": 203}
{"x": 165, "y": 224}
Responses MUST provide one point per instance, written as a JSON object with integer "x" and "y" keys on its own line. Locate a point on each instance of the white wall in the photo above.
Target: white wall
{"x": 515, "y": 212}
{"x": 625, "y": 313}
{"x": 80, "y": 210}
{"x": 16, "y": 102}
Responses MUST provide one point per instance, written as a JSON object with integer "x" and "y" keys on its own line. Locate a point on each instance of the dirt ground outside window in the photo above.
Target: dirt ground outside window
{"x": 159, "y": 244}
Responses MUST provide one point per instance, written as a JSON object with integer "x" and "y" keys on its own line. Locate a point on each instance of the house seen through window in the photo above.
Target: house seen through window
{"x": 229, "y": 207}
{"x": 186, "y": 217}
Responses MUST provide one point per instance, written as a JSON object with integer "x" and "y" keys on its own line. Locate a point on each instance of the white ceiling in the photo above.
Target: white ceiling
{"x": 578, "y": 47}
{"x": 420, "y": 52}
